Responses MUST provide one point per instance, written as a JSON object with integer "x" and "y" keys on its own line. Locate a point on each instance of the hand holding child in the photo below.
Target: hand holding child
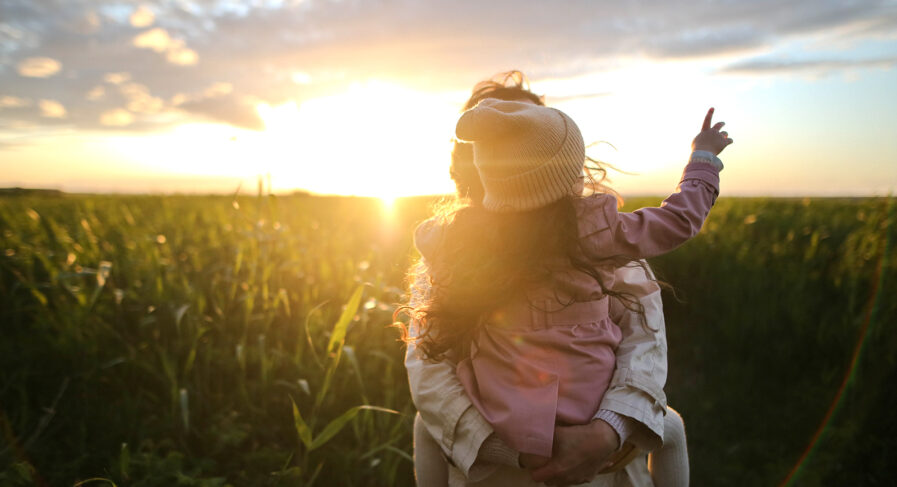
{"x": 581, "y": 451}
{"x": 711, "y": 139}
{"x": 531, "y": 461}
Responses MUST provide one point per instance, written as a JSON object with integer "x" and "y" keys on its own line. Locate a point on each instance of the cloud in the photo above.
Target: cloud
{"x": 234, "y": 110}
{"x": 51, "y": 109}
{"x": 139, "y": 98}
{"x": 823, "y": 66}
{"x": 581, "y": 96}
{"x": 156, "y": 39}
{"x": 8, "y": 146}
{"x": 39, "y": 67}
{"x": 116, "y": 78}
{"x": 704, "y": 41}
{"x": 160, "y": 41}
{"x": 142, "y": 17}
{"x": 218, "y": 89}
{"x": 96, "y": 93}
{"x": 13, "y": 102}
{"x": 182, "y": 55}
{"x": 117, "y": 117}
{"x": 89, "y": 23}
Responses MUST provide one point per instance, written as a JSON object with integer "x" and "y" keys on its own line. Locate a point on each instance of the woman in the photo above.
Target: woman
{"x": 633, "y": 408}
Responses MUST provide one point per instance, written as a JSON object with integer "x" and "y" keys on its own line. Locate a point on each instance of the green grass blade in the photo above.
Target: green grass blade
{"x": 339, "y": 330}
{"x": 337, "y": 424}
{"x": 308, "y": 337}
{"x": 93, "y": 480}
{"x": 301, "y": 428}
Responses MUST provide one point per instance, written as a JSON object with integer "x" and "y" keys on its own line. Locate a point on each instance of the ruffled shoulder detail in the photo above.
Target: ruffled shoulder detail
{"x": 592, "y": 213}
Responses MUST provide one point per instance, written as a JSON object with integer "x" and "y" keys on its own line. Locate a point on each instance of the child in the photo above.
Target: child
{"x": 520, "y": 286}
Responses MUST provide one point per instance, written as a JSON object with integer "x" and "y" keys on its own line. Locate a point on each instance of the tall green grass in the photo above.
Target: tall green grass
{"x": 192, "y": 340}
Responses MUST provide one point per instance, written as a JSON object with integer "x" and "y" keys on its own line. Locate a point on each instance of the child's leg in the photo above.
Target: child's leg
{"x": 669, "y": 465}
{"x": 430, "y": 467}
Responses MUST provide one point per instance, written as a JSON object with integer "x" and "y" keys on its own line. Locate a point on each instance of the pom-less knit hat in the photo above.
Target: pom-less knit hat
{"x": 527, "y": 155}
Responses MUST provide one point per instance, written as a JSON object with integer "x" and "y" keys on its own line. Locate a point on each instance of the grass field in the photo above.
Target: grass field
{"x": 209, "y": 341}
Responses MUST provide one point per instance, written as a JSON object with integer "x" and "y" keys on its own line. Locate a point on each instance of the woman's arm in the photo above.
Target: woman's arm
{"x": 636, "y": 390}
{"x": 449, "y": 416}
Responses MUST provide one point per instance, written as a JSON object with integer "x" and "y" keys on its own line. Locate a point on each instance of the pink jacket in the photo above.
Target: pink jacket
{"x": 540, "y": 363}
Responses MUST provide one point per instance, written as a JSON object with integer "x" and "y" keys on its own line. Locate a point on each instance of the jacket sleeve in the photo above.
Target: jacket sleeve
{"x": 636, "y": 389}
{"x": 649, "y": 232}
{"x": 439, "y": 397}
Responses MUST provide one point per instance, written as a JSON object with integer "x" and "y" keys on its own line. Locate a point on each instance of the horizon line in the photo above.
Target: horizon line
{"x": 35, "y": 191}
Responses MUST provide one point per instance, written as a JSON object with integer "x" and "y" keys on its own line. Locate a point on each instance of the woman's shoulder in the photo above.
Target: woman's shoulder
{"x": 428, "y": 236}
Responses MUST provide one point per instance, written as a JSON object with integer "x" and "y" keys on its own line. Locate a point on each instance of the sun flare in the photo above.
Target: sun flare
{"x": 388, "y": 202}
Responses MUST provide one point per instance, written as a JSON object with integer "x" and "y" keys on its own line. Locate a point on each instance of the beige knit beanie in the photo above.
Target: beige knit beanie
{"x": 527, "y": 155}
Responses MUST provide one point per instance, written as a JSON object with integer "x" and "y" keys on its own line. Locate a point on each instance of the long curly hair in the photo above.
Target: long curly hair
{"x": 486, "y": 260}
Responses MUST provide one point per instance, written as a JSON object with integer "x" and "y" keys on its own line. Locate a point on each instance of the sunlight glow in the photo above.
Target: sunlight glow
{"x": 193, "y": 149}
{"x": 651, "y": 124}
{"x": 388, "y": 202}
{"x": 375, "y": 139}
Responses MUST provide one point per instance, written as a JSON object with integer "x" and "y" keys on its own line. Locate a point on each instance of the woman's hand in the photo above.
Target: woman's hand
{"x": 580, "y": 452}
{"x": 711, "y": 139}
{"x": 532, "y": 462}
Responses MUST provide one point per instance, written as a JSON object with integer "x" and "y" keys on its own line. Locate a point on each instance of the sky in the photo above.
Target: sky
{"x": 361, "y": 96}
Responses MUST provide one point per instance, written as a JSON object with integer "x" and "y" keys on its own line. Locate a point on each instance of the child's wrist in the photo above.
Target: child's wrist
{"x": 704, "y": 148}
{"x": 706, "y": 157}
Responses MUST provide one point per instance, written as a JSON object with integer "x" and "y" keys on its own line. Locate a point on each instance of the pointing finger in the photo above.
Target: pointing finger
{"x": 707, "y": 119}
{"x": 718, "y": 125}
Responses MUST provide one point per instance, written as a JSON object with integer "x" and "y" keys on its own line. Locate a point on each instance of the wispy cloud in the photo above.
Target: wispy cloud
{"x": 236, "y": 110}
{"x": 117, "y": 117}
{"x": 13, "y": 102}
{"x": 579, "y": 96}
{"x": 142, "y": 17}
{"x": 38, "y": 67}
{"x": 51, "y": 109}
{"x": 816, "y": 66}
{"x": 160, "y": 41}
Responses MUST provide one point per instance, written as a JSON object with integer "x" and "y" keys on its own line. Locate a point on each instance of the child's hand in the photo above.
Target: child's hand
{"x": 530, "y": 461}
{"x": 711, "y": 139}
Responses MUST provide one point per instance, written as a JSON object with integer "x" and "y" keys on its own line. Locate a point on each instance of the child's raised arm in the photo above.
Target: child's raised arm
{"x": 649, "y": 232}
